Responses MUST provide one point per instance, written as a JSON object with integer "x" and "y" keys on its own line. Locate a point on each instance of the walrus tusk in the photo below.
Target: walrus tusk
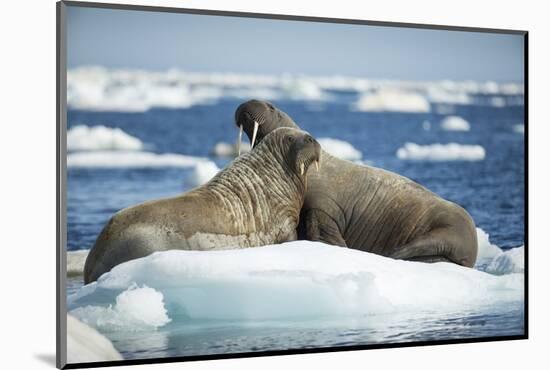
{"x": 317, "y": 166}
{"x": 256, "y": 124}
{"x": 239, "y": 140}
{"x": 301, "y": 168}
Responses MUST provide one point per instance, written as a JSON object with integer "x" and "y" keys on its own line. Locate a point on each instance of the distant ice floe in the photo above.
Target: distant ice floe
{"x": 85, "y": 344}
{"x": 340, "y": 149}
{"x": 441, "y": 152}
{"x": 455, "y": 123}
{"x": 76, "y": 261}
{"x": 106, "y": 147}
{"x": 392, "y": 101}
{"x": 202, "y": 173}
{"x": 134, "y": 90}
{"x": 294, "y": 280}
{"x": 437, "y": 94}
{"x": 130, "y": 159}
{"x": 227, "y": 150}
{"x": 84, "y": 137}
{"x": 519, "y": 128}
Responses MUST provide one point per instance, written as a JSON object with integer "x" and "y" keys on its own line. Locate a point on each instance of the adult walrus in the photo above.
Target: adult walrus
{"x": 254, "y": 201}
{"x": 368, "y": 208}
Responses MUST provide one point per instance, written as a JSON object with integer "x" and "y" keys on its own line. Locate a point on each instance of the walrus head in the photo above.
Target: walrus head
{"x": 258, "y": 118}
{"x": 298, "y": 149}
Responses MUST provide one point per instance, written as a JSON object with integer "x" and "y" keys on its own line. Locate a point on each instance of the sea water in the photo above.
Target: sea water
{"x": 156, "y": 152}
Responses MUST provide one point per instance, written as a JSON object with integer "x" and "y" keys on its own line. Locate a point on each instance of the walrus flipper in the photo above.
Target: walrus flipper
{"x": 439, "y": 245}
{"x": 321, "y": 227}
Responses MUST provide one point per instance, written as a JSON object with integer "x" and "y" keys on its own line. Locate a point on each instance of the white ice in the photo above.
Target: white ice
{"x": 441, "y": 152}
{"x": 295, "y": 280}
{"x": 130, "y": 159}
{"x": 98, "y": 88}
{"x": 223, "y": 149}
{"x": 492, "y": 259}
{"x": 519, "y": 128}
{"x": 202, "y": 173}
{"x": 76, "y": 261}
{"x": 392, "y": 100}
{"x": 455, "y": 123}
{"x": 85, "y": 344}
{"x": 135, "y": 308}
{"x": 83, "y": 137}
{"x": 340, "y": 149}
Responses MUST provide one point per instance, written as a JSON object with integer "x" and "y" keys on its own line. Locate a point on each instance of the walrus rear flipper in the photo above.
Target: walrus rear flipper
{"x": 439, "y": 245}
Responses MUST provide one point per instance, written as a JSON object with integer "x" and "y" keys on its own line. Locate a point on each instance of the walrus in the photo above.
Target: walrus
{"x": 368, "y": 208}
{"x": 254, "y": 201}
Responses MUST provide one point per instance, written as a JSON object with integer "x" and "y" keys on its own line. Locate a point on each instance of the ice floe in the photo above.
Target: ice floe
{"x": 339, "y": 148}
{"x": 106, "y": 89}
{"x": 202, "y": 173}
{"x": 76, "y": 261}
{"x": 227, "y": 150}
{"x": 441, "y": 152}
{"x": 393, "y": 100}
{"x": 136, "y": 308}
{"x": 86, "y": 344}
{"x": 519, "y": 128}
{"x": 300, "y": 279}
{"x": 455, "y": 123}
{"x": 130, "y": 159}
{"x": 84, "y": 137}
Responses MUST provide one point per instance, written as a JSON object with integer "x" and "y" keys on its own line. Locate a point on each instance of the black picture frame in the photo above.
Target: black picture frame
{"x": 61, "y": 173}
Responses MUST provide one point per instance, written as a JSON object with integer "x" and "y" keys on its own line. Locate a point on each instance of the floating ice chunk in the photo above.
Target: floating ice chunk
{"x": 455, "y": 123}
{"x": 439, "y": 95}
{"x": 492, "y": 259}
{"x": 202, "y": 173}
{"x": 511, "y": 89}
{"x": 300, "y": 279}
{"x": 126, "y": 159}
{"x": 489, "y": 87}
{"x": 507, "y": 262}
{"x": 223, "y": 149}
{"x": 441, "y": 152}
{"x": 302, "y": 89}
{"x": 135, "y": 308}
{"x": 76, "y": 261}
{"x": 131, "y": 90}
{"x": 485, "y": 250}
{"x": 392, "y": 100}
{"x": 98, "y": 88}
{"x": 519, "y": 128}
{"x": 83, "y": 137}
{"x": 339, "y": 148}
{"x": 85, "y": 344}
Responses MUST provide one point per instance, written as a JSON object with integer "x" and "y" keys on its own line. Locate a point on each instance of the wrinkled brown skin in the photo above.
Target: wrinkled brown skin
{"x": 370, "y": 209}
{"x": 255, "y": 200}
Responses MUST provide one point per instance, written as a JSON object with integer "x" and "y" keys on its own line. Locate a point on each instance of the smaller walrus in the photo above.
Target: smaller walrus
{"x": 254, "y": 201}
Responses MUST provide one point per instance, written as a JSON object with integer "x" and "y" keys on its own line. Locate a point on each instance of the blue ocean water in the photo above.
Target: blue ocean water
{"x": 491, "y": 190}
